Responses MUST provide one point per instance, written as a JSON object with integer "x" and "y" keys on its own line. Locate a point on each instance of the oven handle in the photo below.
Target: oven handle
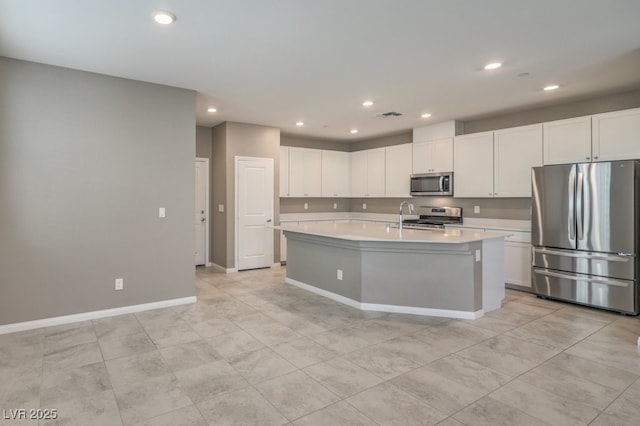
{"x": 441, "y": 183}
{"x": 607, "y": 257}
{"x": 604, "y": 281}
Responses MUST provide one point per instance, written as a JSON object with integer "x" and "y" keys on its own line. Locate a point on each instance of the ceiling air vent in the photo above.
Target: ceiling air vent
{"x": 390, "y": 114}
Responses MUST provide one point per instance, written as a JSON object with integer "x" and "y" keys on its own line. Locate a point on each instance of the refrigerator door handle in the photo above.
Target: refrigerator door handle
{"x": 580, "y": 206}
{"x": 572, "y": 197}
{"x": 599, "y": 256}
{"x": 604, "y": 281}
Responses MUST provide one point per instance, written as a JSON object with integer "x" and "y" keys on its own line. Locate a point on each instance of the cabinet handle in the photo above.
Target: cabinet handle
{"x": 595, "y": 158}
{"x": 588, "y": 158}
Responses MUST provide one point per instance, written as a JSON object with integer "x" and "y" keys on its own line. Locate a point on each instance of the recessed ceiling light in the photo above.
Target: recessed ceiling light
{"x": 212, "y": 110}
{"x": 299, "y": 123}
{"x": 493, "y": 66}
{"x": 354, "y": 131}
{"x": 163, "y": 17}
{"x": 367, "y": 103}
{"x": 550, "y": 87}
{"x": 425, "y": 115}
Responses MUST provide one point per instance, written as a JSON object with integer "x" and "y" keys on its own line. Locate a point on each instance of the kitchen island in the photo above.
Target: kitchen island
{"x": 375, "y": 266}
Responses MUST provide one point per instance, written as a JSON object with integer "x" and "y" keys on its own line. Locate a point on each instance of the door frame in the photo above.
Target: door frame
{"x": 236, "y": 224}
{"x": 207, "y": 260}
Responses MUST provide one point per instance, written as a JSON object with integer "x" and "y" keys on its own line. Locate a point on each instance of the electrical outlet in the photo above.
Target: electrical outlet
{"x": 306, "y": 206}
{"x": 339, "y": 274}
{"x": 364, "y": 206}
{"x": 476, "y": 209}
{"x": 335, "y": 206}
{"x": 119, "y": 283}
{"x": 162, "y": 212}
{"x": 477, "y": 255}
{"x": 221, "y": 208}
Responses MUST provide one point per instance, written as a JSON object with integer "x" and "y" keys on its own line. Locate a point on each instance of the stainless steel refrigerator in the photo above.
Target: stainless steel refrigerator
{"x": 585, "y": 233}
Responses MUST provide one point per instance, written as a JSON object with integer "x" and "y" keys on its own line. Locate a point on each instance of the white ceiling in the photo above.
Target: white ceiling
{"x": 274, "y": 62}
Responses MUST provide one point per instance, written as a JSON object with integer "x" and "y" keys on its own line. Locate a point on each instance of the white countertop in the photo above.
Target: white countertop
{"x": 375, "y": 231}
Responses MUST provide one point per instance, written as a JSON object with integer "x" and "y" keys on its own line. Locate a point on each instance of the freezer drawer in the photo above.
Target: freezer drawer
{"x": 584, "y": 262}
{"x": 616, "y": 295}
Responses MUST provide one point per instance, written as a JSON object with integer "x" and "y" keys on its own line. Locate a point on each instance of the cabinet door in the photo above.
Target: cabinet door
{"x": 517, "y": 261}
{"x": 515, "y": 152}
{"x": 336, "y": 174}
{"x": 473, "y": 165}
{"x": 305, "y": 172}
{"x": 398, "y": 170}
{"x": 375, "y": 172}
{"x": 441, "y": 154}
{"x": 284, "y": 171}
{"x": 359, "y": 174}
{"x": 567, "y": 141}
{"x": 421, "y": 161}
{"x": 616, "y": 135}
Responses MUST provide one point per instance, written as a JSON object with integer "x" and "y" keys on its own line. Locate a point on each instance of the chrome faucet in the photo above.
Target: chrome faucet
{"x": 402, "y": 204}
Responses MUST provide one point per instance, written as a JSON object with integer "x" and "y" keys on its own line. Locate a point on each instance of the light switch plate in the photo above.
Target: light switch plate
{"x": 162, "y": 212}
{"x": 476, "y": 209}
{"x": 221, "y": 208}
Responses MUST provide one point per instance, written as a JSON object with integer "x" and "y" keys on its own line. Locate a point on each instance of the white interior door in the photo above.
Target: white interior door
{"x": 254, "y": 207}
{"x": 201, "y": 210}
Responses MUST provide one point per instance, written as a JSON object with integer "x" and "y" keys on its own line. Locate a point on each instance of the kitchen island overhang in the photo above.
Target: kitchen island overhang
{"x": 371, "y": 266}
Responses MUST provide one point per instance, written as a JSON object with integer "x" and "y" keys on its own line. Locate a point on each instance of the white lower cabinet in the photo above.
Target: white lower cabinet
{"x": 517, "y": 263}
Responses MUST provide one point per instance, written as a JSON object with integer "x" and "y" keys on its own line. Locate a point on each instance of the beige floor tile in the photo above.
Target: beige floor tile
{"x": 177, "y": 334}
{"x": 340, "y": 413}
{"x": 303, "y": 352}
{"x": 441, "y": 392}
{"x": 189, "y": 355}
{"x": 412, "y": 349}
{"x": 296, "y": 394}
{"x": 381, "y": 362}
{"x": 20, "y": 388}
{"x": 73, "y": 356}
{"x": 208, "y": 380}
{"x": 340, "y": 340}
{"x": 150, "y": 398}
{"x": 544, "y": 405}
{"x": 468, "y": 373}
{"x": 260, "y": 365}
{"x": 508, "y": 355}
{"x": 95, "y": 410}
{"x": 489, "y": 412}
{"x": 389, "y": 405}
{"x": 242, "y": 407}
{"x": 187, "y": 416}
{"x": 453, "y": 336}
{"x": 214, "y": 327}
{"x": 623, "y": 356}
{"x": 342, "y": 377}
{"x": 135, "y": 368}
{"x": 118, "y": 346}
{"x": 73, "y": 383}
{"x": 67, "y": 337}
{"x": 231, "y": 344}
{"x": 118, "y": 326}
{"x": 272, "y": 333}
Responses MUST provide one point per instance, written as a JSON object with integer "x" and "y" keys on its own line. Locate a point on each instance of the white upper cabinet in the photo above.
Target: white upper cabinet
{"x": 616, "y": 135}
{"x": 284, "y": 171}
{"x": 473, "y": 165}
{"x": 398, "y": 170}
{"x": 336, "y": 174}
{"x": 567, "y": 141}
{"x": 368, "y": 173}
{"x": 515, "y": 152}
{"x": 305, "y": 172}
{"x": 433, "y": 156}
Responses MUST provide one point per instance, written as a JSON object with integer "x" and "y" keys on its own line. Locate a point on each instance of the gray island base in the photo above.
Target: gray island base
{"x": 371, "y": 266}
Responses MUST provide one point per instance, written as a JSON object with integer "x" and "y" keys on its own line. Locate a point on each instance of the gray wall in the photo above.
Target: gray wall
{"x": 379, "y": 142}
{"x": 287, "y": 139}
{"x": 204, "y": 147}
{"x": 232, "y": 139}
{"x": 86, "y": 160}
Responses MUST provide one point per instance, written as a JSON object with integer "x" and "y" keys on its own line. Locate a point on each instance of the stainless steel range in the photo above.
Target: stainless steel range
{"x": 435, "y": 217}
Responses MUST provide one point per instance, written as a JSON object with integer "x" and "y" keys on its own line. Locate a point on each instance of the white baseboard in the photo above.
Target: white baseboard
{"x": 223, "y": 269}
{"x": 68, "y": 319}
{"x": 446, "y": 313}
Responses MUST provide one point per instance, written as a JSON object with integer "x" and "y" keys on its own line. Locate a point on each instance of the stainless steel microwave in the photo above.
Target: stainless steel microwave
{"x": 432, "y": 184}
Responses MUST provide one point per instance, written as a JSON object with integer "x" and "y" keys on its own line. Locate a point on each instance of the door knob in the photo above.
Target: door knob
{"x": 203, "y": 219}
{"x": 268, "y": 220}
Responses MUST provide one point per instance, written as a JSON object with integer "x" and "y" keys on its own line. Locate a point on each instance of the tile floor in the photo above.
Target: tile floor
{"x": 254, "y": 350}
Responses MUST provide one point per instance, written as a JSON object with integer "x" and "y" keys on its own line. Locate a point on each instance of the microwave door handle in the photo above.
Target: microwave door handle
{"x": 441, "y": 183}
